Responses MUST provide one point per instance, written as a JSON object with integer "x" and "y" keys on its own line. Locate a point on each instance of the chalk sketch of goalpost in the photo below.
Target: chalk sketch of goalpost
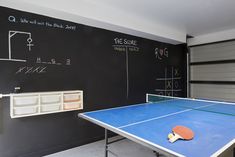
{"x": 10, "y": 35}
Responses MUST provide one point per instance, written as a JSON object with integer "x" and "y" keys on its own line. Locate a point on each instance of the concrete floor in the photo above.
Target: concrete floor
{"x": 123, "y": 148}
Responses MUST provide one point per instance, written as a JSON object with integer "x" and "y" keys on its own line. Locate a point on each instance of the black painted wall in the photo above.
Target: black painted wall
{"x": 48, "y": 54}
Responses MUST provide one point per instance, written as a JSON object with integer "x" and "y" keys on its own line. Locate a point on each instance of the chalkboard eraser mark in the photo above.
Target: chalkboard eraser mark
{"x": 17, "y": 90}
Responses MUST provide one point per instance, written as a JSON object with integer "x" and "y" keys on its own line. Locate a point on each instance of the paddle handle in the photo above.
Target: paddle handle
{"x": 174, "y": 138}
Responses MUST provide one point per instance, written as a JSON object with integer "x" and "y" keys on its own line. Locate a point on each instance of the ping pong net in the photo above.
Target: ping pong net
{"x": 218, "y": 107}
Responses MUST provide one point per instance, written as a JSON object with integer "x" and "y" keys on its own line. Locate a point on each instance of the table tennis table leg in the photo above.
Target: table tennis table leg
{"x": 234, "y": 152}
{"x": 106, "y": 142}
{"x": 157, "y": 154}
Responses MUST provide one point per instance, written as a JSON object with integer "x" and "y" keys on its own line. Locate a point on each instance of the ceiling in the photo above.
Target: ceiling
{"x": 195, "y": 17}
{"x": 174, "y": 18}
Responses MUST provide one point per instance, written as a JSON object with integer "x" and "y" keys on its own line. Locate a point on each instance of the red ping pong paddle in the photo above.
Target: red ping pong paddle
{"x": 181, "y": 132}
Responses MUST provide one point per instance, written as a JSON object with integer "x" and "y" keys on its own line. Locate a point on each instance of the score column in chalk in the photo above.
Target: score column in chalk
{"x": 126, "y": 45}
{"x": 11, "y": 34}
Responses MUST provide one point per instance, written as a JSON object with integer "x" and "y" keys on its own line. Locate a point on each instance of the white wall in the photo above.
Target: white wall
{"x": 93, "y": 14}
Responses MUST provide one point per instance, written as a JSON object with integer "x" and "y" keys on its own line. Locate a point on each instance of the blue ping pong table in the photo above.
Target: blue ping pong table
{"x": 213, "y": 124}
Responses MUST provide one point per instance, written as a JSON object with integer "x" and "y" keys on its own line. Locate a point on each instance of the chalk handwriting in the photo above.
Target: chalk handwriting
{"x": 126, "y": 46}
{"x": 68, "y": 61}
{"x": 161, "y": 53}
{"x": 31, "y": 70}
{"x": 12, "y": 19}
{"x": 24, "y": 20}
{"x": 177, "y": 72}
{"x": 121, "y": 41}
{"x": 53, "y": 61}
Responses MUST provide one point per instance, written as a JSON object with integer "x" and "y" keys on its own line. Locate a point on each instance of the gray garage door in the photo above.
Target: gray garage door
{"x": 212, "y": 71}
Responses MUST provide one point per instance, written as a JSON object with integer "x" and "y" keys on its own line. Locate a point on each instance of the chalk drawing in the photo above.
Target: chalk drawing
{"x": 171, "y": 83}
{"x": 11, "y": 34}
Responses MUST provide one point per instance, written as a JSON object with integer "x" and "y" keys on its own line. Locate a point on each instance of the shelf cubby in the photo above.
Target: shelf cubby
{"x": 31, "y": 104}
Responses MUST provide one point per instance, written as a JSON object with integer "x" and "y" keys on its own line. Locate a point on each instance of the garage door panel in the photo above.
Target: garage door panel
{"x": 214, "y": 92}
{"x": 214, "y": 52}
{"x": 219, "y": 72}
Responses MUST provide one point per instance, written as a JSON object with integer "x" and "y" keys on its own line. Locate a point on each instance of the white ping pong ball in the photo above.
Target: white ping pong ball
{"x": 170, "y": 135}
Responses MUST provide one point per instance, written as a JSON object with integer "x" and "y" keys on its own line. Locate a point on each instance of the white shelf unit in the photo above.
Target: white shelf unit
{"x": 31, "y": 104}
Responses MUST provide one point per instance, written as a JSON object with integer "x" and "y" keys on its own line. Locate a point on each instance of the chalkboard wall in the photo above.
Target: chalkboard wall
{"x": 39, "y": 53}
